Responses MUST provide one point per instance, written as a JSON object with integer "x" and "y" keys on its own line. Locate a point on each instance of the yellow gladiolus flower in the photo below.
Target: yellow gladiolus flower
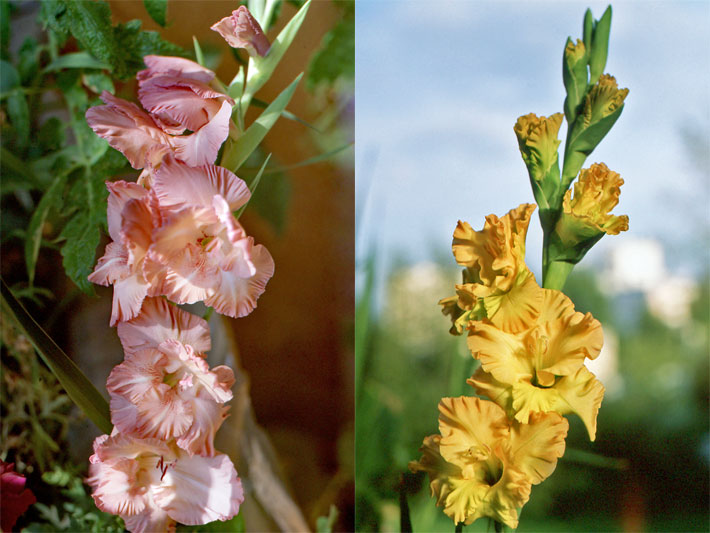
{"x": 541, "y": 369}
{"x": 603, "y": 99}
{"x": 496, "y": 274}
{"x": 483, "y": 464}
{"x": 538, "y": 142}
{"x": 596, "y": 193}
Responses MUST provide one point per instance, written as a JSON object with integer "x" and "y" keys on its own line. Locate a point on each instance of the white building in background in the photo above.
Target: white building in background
{"x": 638, "y": 266}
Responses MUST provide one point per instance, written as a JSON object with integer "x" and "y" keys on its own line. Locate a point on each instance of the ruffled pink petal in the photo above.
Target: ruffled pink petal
{"x": 160, "y": 414}
{"x": 136, "y": 230}
{"x": 235, "y": 232}
{"x": 140, "y": 372}
{"x": 176, "y": 66}
{"x": 115, "y": 485}
{"x": 201, "y": 147}
{"x": 208, "y": 416}
{"x": 126, "y": 127}
{"x": 120, "y": 192}
{"x": 179, "y": 101}
{"x": 177, "y": 184}
{"x": 236, "y": 296}
{"x": 128, "y": 295}
{"x": 160, "y": 321}
{"x": 153, "y": 519}
{"x": 198, "y": 490}
{"x": 112, "y": 266}
{"x": 149, "y": 521}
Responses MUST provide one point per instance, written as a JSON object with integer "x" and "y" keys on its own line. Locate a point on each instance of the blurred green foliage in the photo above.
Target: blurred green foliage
{"x": 653, "y": 421}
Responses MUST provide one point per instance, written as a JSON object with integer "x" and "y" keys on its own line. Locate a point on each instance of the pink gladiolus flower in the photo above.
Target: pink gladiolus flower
{"x": 152, "y": 484}
{"x": 159, "y": 321}
{"x": 201, "y": 252}
{"x": 176, "y": 94}
{"x": 164, "y": 389}
{"x": 15, "y": 499}
{"x": 241, "y": 30}
{"x": 127, "y": 128}
{"x": 132, "y": 214}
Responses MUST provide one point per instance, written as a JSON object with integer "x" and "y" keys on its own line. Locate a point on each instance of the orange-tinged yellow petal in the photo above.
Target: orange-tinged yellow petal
{"x": 486, "y": 385}
{"x": 581, "y": 394}
{"x": 538, "y": 142}
{"x": 502, "y": 354}
{"x": 516, "y": 309}
{"x": 470, "y": 429}
{"x": 494, "y": 255}
{"x": 440, "y": 472}
{"x": 529, "y": 399}
{"x": 596, "y": 193}
{"x": 603, "y": 99}
{"x": 535, "y": 447}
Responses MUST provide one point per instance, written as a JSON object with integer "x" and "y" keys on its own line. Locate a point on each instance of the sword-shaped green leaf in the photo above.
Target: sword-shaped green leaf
{"x": 260, "y": 68}
{"x": 238, "y": 150}
{"x": 78, "y": 387}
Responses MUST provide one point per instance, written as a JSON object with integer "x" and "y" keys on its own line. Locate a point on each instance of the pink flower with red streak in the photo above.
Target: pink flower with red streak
{"x": 15, "y": 499}
{"x": 164, "y": 388}
{"x": 132, "y": 216}
{"x": 151, "y": 484}
{"x": 201, "y": 252}
{"x": 241, "y": 30}
{"x": 185, "y": 115}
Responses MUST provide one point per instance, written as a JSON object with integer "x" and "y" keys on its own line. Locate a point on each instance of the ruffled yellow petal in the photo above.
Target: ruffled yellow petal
{"x": 495, "y": 255}
{"x": 470, "y": 429}
{"x": 535, "y": 447}
{"x": 529, "y": 399}
{"x": 596, "y": 193}
{"x": 502, "y": 354}
{"x": 603, "y": 99}
{"x": 564, "y": 337}
{"x": 516, "y": 309}
{"x": 440, "y": 472}
{"x": 472, "y": 500}
{"x": 538, "y": 142}
{"x": 581, "y": 394}
{"x": 486, "y": 385}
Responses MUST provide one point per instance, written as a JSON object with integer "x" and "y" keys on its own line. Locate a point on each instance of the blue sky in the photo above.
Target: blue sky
{"x": 439, "y": 86}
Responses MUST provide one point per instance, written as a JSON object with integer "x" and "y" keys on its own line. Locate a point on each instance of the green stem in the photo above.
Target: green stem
{"x": 500, "y": 527}
{"x": 556, "y": 274}
{"x": 75, "y": 383}
{"x": 458, "y": 528}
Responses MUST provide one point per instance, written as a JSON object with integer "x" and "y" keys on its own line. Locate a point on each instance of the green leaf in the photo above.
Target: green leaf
{"x": 5, "y": 8}
{"x": 325, "y": 524}
{"x": 252, "y": 186}
{"x": 51, "y": 198}
{"x": 19, "y": 115}
{"x": 271, "y": 200}
{"x": 198, "y": 51}
{"x": 261, "y": 68}
{"x": 9, "y": 77}
{"x": 157, "y": 10}
{"x": 82, "y": 232}
{"x": 600, "y": 46}
{"x": 336, "y": 57}
{"x": 312, "y": 160}
{"x": 78, "y": 387}
{"x": 76, "y": 60}
{"x": 237, "y": 151}
{"x": 28, "y": 61}
{"x": 121, "y": 47}
{"x": 98, "y": 82}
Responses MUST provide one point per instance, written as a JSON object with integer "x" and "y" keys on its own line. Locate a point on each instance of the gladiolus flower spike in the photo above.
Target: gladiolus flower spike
{"x": 531, "y": 342}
